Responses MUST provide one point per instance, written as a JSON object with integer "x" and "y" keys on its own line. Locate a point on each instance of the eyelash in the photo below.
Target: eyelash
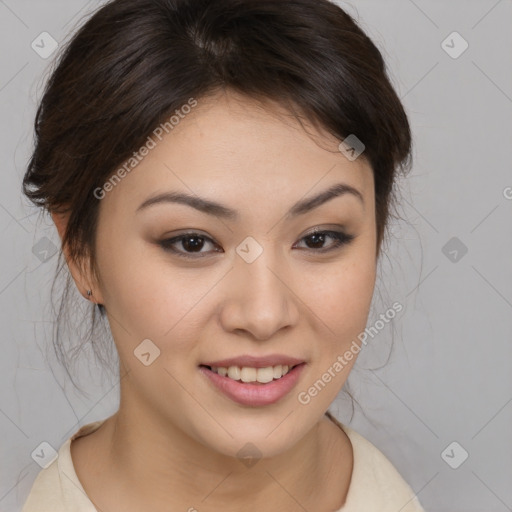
{"x": 340, "y": 239}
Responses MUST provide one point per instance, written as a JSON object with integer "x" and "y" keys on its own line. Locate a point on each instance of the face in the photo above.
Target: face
{"x": 247, "y": 284}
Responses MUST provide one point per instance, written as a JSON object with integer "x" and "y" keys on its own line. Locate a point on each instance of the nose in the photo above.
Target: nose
{"x": 260, "y": 299}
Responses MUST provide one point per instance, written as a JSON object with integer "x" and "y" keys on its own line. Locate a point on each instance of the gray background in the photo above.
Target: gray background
{"x": 449, "y": 378}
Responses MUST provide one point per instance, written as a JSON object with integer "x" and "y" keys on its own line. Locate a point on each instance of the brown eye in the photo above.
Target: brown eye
{"x": 188, "y": 245}
{"x": 316, "y": 240}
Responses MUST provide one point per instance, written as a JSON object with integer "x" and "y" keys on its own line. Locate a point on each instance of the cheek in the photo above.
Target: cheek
{"x": 149, "y": 298}
{"x": 134, "y": 292}
{"x": 340, "y": 295}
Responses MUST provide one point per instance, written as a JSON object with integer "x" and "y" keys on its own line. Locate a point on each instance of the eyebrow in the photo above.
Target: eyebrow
{"x": 218, "y": 210}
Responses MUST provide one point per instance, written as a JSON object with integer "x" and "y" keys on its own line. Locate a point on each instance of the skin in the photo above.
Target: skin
{"x": 172, "y": 444}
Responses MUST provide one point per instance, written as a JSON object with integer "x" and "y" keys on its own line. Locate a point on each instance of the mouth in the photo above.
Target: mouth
{"x": 253, "y": 386}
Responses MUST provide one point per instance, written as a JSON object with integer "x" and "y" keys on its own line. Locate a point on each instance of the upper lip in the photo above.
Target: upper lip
{"x": 255, "y": 361}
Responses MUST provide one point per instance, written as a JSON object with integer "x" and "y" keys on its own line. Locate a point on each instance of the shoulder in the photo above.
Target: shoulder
{"x": 375, "y": 484}
{"x": 57, "y": 488}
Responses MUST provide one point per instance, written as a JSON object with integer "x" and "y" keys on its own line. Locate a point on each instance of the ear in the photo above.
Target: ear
{"x": 84, "y": 280}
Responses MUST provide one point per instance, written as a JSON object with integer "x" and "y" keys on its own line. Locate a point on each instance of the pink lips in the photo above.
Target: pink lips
{"x": 255, "y": 394}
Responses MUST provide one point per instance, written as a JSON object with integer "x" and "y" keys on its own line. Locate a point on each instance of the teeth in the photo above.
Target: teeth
{"x": 247, "y": 374}
{"x": 234, "y": 372}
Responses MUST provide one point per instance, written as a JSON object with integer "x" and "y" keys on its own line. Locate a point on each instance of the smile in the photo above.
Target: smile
{"x": 253, "y": 386}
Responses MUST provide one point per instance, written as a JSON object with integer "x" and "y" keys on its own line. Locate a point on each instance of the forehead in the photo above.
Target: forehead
{"x": 233, "y": 146}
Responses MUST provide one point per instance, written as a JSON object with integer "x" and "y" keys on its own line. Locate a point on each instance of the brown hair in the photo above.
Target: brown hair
{"x": 135, "y": 62}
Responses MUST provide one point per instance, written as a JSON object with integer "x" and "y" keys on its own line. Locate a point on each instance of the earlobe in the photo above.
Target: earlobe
{"x": 89, "y": 297}
{"x": 82, "y": 281}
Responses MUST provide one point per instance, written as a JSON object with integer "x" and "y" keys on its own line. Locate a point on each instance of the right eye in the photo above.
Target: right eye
{"x": 191, "y": 244}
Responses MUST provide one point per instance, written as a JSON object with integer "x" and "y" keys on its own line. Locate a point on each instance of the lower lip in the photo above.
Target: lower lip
{"x": 247, "y": 393}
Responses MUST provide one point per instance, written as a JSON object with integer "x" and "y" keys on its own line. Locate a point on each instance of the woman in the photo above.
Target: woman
{"x": 220, "y": 174}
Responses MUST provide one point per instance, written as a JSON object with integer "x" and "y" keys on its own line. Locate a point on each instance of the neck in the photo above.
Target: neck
{"x": 169, "y": 466}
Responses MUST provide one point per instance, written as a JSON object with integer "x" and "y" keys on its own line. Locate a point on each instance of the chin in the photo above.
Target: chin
{"x": 257, "y": 435}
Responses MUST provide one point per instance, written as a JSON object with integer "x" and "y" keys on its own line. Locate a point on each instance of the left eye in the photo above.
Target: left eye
{"x": 318, "y": 237}
{"x": 192, "y": 243}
